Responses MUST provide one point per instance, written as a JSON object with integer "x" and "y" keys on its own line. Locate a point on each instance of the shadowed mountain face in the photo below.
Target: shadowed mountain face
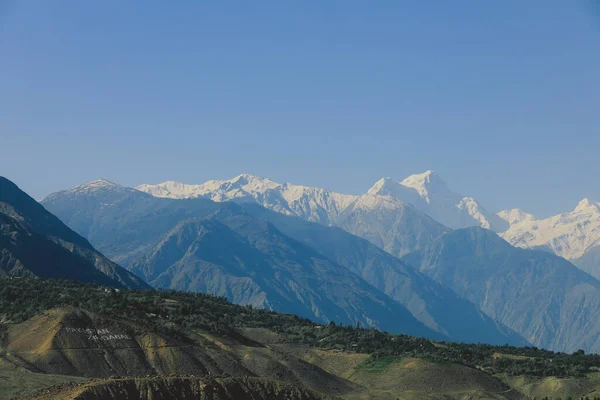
{"x": 432, "y": 303}
{"x": 251, "y": 262}
{"x": 541, "y": 296}
{"x": 35, "y": 243}
{"x": 199, "y": 245}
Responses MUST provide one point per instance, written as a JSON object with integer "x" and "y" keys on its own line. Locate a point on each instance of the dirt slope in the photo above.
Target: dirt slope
{"x": 166, "y": 388}
{"x": 70, "y": 341}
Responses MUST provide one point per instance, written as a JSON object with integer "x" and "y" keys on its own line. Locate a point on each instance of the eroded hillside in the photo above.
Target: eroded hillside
{"x": 163, "y": 342}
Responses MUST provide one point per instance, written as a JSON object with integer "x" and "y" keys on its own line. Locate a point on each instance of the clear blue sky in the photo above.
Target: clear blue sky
{"x": 501, "y": 98}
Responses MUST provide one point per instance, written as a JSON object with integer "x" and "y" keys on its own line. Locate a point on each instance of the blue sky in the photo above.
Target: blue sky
{"x": 502, "y": 99}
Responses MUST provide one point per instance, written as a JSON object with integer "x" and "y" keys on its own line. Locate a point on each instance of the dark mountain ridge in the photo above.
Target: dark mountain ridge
{"x": 34, "y": 242}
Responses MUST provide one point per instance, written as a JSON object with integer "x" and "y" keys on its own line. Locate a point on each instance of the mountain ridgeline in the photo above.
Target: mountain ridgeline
{"x": 332, "y": 257}
{"x": 199, "y": 245}
{"x": 411, "y": 217}
{"x": 427, "y": 192}
{"x": 254, "y": 256}
{"x": 359, "y": 266}
{"x": 35, "y": 243}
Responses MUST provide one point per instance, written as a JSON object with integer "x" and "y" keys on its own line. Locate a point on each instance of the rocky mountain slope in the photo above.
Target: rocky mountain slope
{"x": 386, "y": 221}
{"x": 200, "y": 245}
{"x": 75, "y": 342}
{"x": 255, "y": 256}
{"x": 543, "y": 297}
{"x": 433, "y": 304}
{"x": 35, "y": 243}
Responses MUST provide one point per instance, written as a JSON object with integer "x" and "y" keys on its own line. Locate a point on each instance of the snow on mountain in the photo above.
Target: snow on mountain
{"x": 171, "y": 189}
{"x": 428, "y": 185}
{"x": 94, "y": 186}
{"x": 102, "y": 188}
{"x": 474, "y": 211}
{"x": 426, "y": 191}
{"x": 390, "y": 223}
{"x": 430, "y": 194}
{"x": 569, "y": 235}
{"x": 310, "y": 203}
{"x": 515, "y": 216}
{"x": 395, "y": 189}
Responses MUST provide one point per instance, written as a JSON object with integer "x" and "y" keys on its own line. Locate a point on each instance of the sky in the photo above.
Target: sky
{"x": 501, "y": 99}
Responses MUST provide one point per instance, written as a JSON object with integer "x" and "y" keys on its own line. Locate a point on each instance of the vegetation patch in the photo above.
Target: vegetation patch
{"x": 378, "y": 364}
{"x": 175, "y": 313}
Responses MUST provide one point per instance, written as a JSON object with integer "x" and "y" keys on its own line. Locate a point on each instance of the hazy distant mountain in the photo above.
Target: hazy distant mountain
{"x": 200, "y": 245}
{"x": 433, "y": 304}
{"x": 574, "y": 235}
{"x": 515, "y": 216}
{"x": 399, "y": 217}
{"x": 393, "y": 225}
{"x": 310, "y": 203}
{"x": 426, "y": 191}
{"x": 546, "y": 299}
{"x": 430, "y": 194}
{"x": 113, "y": 217}
{"x": 35, "y": 243}
{"x": 251, "y": 262}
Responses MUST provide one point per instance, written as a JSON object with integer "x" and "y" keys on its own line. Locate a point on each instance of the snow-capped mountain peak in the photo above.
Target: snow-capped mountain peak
{"x": 426, "y": 191}
{"x": 426, "y": 184}
{"x": 515, "y": 216}
{"x": 569, "y": 235}
{"x": 170, "y": 189}
{"x": 109, "y": 192}
{"x": 430, "y": 194}
{"x": 586, "y": 206}
{"x": 95, "y": 185}
{"x": 380, "y": 185}
{"x": 313, "y": 204}
{"x": 391, "y": 187}
{"x": 250, "y": 183}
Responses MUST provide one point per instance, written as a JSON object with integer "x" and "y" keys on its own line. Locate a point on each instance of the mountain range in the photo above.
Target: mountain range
{"x": 255, "y": 256}
{"x": 380, "y": 259}
{"x": 421, "y": 203}
{"x": 427, "y": 192}
{"x": 168, "y": 233}
{"x": 392, "y": 215}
